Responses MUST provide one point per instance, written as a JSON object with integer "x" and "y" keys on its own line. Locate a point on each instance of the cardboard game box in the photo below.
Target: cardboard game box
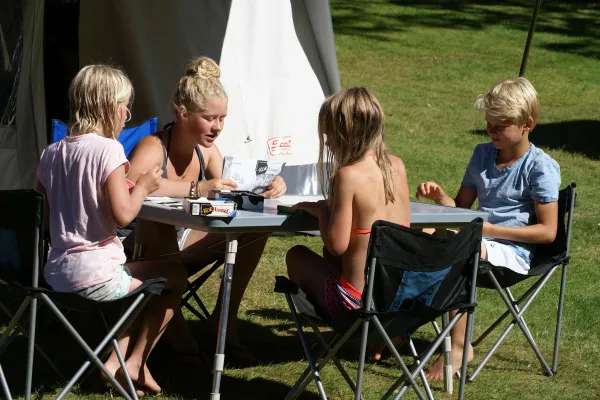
{"x": 203, "y": 207}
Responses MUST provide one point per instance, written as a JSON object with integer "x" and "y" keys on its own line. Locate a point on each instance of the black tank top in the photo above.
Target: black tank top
{"x": 169, "y": 128}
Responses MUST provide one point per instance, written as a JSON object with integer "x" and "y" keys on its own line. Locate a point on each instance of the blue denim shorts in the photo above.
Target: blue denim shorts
{"x": 112, "y": 289}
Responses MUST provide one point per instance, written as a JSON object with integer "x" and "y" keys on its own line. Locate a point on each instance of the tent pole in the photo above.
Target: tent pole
{"x": 534, "y": 16}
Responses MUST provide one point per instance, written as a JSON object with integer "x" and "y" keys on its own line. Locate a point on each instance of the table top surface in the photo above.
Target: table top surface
{"x": 166, "y": 211}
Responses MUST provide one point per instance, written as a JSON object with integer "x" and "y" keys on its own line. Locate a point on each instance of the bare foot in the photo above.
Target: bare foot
{"x": 116, "y": 371}
{"x": 435, "y": 372}
{"x": 376, "y": 351}
{"x": 143, "y": 377}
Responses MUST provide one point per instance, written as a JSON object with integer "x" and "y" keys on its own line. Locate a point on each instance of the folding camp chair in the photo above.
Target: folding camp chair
{"x": 547, "y": 259}
{"x": 129, "y": 137}
{"x": 20, "y": 265}
{"x": 411, "y": 279}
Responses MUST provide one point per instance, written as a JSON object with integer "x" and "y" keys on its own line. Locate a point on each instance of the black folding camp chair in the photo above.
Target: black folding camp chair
{"x": 20, "y": 265}
{"x": 191, "y": 293}
{"x": 411, "y": 279}
{"x": 547, "y": 259}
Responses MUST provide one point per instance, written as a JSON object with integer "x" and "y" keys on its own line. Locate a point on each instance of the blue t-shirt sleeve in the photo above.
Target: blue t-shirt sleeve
{"x": 545, "y": 180}
{"x": 471, "y": 172}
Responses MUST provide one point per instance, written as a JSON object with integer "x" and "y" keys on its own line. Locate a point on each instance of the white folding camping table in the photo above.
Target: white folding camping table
{"x": 422, "y": 215}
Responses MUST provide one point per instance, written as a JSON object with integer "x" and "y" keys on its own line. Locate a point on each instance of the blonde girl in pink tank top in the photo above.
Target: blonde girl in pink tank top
{"x": 87, "y": 196}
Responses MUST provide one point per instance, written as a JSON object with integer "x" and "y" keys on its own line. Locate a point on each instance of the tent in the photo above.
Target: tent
{"x": 277, "y": 58}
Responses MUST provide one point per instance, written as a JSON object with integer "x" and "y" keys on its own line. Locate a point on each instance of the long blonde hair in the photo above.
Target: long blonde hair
{"x": 352, "y": 120}
{"x": 95, "y": 95}
{"x": 200, "y": 84}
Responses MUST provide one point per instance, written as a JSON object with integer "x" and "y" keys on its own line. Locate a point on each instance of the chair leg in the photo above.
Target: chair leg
{"x": 516, "y": 306}
{"x": 311, "y": 363}
{"x": 327, "y": 347}
{"x": 125, "y": 371}
{"x": 335, "y": 347}
{"x": 92, "y": 354}
{"x": 4, "y": 385}
{"x": 561, "y": 301}
{"x": 24, "y": 332}
{"x": 361, "y": 359}
{"x": 30, "y": 347}
{"x": 467, "y": 344}
{"x": 423, "y": 359}
{"x": 106, "y": 351}
{"x": 13, "y": 323}
{"x": 415, "y": 355}
{"x": 502, "y": 317}
{"x": 392, "y": 348}
{"x": 518, "y": 319}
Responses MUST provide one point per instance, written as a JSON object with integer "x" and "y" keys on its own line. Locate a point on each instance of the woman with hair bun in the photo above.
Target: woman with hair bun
{"x": 192, "y": 163}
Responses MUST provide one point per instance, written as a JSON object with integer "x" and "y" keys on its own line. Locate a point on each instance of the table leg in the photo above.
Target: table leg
{"x": 447, "y": 356}
{"x": 219, "y": 361}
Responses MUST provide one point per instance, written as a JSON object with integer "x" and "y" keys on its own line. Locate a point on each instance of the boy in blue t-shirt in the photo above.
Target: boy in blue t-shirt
{"x": 516, "y": 183}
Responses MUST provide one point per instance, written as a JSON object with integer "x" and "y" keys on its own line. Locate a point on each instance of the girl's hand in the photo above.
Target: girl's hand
{"x": 276, "y": 189}
{"x": 316, "y": 209}
{"x": 150, "y": 181}
{"x": 216, "y": 184}
{"x": 431, "y": 191}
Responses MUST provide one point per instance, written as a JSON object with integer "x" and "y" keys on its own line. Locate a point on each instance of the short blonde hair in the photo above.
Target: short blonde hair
{"x": 512, "y": 101}
{"x": 351, "y": 121}
{"x": 95, "y": 95}
{"x": 200, "y": 84}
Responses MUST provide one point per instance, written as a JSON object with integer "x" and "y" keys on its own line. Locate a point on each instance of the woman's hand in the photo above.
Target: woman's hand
{"x": 316, "y": 209}
{"x": 276, "y": 189}
{"x": 216, "y": 184}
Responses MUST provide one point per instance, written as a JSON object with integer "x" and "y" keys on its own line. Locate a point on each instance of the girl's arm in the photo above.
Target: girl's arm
{"x": 147, "y": 154}
{"x": 125, "y": 204}
{"x": 544, "y": 231}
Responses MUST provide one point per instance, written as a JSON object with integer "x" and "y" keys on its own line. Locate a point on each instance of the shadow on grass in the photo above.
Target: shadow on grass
{"x": 177, "y": 379}
{"x": 578, "y": 136}
{"x": 563, "y": 18}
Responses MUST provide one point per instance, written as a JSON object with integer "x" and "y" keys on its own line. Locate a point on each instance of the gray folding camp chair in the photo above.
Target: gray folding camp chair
{"x": 411, "y": 279}
{"x": 20, "y": 265}
{"x": 547, "y": 259}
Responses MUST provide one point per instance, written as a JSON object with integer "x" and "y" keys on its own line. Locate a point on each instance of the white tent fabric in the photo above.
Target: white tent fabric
{"x": 153, "y": 41}
{"x": 274, "y": 94}
{"x": 274, "y": 89}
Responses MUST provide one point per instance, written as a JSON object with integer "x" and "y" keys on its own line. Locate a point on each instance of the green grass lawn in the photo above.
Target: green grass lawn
{"x": 427, "y": 61}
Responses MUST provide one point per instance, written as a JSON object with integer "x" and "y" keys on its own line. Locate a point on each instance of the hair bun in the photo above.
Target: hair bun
{"x": 204, "y": 68}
